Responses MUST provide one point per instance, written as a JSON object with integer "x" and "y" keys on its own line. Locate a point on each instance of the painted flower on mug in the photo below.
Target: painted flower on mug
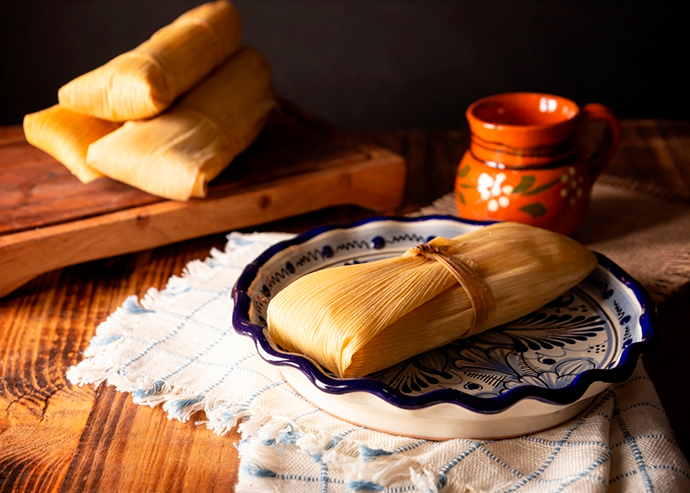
{"x": 572, "y": 186}
{"x": 492, "y": 189}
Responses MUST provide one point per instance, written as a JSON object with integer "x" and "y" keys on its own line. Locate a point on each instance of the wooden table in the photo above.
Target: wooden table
{"x": 55, "y": 436}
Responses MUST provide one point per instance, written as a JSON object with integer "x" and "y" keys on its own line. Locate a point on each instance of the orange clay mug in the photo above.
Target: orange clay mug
{"x": 526, "y": 162}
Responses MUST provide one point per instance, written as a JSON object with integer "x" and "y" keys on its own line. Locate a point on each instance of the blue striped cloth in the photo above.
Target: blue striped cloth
{"x": 176, "y": 348}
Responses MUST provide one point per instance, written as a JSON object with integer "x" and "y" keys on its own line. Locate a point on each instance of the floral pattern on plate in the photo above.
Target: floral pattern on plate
{"x": 547, "y": 348}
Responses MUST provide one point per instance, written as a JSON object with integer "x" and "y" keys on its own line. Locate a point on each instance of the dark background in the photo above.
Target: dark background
{"x": 381, "y": 64}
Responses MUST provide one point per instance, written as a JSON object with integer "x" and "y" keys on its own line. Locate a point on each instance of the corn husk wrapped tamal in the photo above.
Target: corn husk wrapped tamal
{"x": 358, "y": 319}
{"x": 66, "y": 136}
{"x": 145, "y": 81}
{"x": 175, "y": 154}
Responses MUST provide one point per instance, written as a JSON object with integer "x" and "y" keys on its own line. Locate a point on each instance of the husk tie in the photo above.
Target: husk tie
{"x": 462, "y": 268}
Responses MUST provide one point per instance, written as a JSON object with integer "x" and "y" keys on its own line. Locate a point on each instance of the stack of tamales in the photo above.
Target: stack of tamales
{"x": 357, "y": 319}
{"x": 190, "y": 97}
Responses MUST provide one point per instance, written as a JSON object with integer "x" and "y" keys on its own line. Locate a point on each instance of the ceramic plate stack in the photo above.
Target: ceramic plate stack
{"x": 525, "y": 376}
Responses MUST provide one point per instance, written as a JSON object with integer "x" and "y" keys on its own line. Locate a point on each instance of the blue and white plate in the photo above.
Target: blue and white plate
{"x": 527, "y": 375}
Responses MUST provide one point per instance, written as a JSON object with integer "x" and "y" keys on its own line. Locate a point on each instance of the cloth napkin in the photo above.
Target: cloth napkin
{"x": 176, "y": 347}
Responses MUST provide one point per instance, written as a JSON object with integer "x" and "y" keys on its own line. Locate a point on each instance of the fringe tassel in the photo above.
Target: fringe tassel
{"x": 259, "y": 464}
{"x": 424, "y": 481}
{"x": 182, "y": 409}
{"x": 363, "y": 468}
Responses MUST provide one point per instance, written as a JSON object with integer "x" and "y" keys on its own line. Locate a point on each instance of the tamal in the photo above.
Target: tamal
{"x": 145, "y": 81}
{"x": 175, "y": 154}
{"x": 66, "y": 136}
{"x": 357, "y": 319}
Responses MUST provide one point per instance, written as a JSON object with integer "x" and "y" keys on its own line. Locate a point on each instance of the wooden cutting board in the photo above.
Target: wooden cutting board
{"x": 298, "y": 164}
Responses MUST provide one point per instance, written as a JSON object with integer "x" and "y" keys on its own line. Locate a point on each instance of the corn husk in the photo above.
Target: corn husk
{"x": 355, "y": 320}
{"x": 145, "y": 81}
{"x": 66, "y": 136}
{"x": 175, "y": 154}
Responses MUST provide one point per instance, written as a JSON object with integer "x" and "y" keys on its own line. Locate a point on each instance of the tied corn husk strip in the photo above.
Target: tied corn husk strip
{"x": 66, "y": 136}
{"x": 145, "y": 81}
{"x": 355, "y": 320}
{"x": 447, "y": 253}
{"x": 175, "y": 154}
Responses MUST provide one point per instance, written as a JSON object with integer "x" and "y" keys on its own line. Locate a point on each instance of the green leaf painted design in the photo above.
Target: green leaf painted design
{"x": 461, "y": 197}
{"x": 540, "y": 189}
{"x": 465, "y": 185}
{"x": 535, "y": 210}
{"x": 525, "y": 183}
{"x": 462, "y": 173}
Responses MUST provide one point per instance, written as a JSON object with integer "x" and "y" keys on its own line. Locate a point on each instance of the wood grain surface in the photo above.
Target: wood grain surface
{"x": 58, "y": 437}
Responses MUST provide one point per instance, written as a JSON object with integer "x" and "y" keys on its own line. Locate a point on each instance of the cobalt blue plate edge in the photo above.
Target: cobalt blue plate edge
{"x": 567, "y": 395}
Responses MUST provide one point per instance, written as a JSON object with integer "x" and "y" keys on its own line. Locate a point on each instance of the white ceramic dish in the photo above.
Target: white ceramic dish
{"x": 525, "y": 376}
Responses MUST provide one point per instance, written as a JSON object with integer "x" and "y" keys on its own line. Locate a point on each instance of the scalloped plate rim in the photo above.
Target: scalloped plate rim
{"x": 563, "y": 396}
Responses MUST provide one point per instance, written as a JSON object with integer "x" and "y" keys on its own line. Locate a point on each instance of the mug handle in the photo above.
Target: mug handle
{"x": 609, "y": 144}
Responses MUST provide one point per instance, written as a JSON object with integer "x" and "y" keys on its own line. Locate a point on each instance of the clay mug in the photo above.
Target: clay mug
{"x": 527, "y": 162}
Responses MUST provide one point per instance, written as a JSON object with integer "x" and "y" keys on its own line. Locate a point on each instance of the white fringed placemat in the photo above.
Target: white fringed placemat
{"x": 176, "y": 347}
